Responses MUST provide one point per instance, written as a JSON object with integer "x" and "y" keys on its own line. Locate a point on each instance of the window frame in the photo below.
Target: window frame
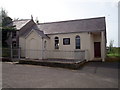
{"x": 77, "y": 44}
{"x": 45, "y": 44}
{"x": 56, "y": 42}
{"x": 14, "y": 44}
{"x": 14, "y": 34}
{"x": 64, "y": 41}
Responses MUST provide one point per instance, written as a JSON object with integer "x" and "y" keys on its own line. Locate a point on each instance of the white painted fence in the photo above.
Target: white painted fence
{"x": 55, "y": 54}
{"x": 47, "y": 54}
{"x": 64, "y": 54}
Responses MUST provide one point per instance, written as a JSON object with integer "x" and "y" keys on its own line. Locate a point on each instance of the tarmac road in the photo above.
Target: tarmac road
{"x": 92, "y": 75}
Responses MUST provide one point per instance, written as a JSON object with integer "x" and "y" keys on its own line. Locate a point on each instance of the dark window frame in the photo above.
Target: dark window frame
{"x": 14, "y": 34}
{"x": 66, "y": 41}
{"x": 45, "y": 44}
{"x": 56, "y": 40}
{"x": 77, "y": 42}
{"x": 14, "y": 44}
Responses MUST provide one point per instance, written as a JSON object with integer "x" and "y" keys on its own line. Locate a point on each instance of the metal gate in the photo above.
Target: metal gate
{"x": 11, "y": 52}
{"x": 15, "y": 53}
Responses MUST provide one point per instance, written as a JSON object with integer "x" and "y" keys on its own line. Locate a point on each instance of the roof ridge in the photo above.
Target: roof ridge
{"x": 21, "y": 20}
{"x": 71, "y": 20}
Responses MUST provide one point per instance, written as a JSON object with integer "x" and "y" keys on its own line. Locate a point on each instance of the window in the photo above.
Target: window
{"x": 66, "y": 41}
{"x": 13, "y": 34}
{"x": 14, "y": 44}
{"x": 56, "y": 43}
{"x": 45, "y": 44}
{"x": 77, "y": 41}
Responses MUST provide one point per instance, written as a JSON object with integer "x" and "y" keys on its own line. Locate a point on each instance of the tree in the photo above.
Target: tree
{"x": 5, "y": 18}
{"x": 111, "y": 46}
{"x": 6, "y": 30}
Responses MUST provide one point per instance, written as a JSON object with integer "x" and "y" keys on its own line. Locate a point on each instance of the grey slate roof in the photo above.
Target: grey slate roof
{"x": 41, "y": 33}
{"x": 71, "y": 26}
{"x": 19, "y": 23}
{"x": 81, "y": 25}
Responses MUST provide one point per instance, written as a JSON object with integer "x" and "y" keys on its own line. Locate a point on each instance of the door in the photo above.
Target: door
{"x": 97, "y": 49}
{"x": 33, "y": 49}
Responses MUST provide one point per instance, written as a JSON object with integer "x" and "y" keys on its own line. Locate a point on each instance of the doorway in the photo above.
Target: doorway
{"x": 97, "y": 49}
{"x": 33, "y": 49}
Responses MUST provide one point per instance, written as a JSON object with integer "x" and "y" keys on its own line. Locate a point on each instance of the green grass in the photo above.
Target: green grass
{"x": 113, "y": 55}
{"x": 114, "y": 52}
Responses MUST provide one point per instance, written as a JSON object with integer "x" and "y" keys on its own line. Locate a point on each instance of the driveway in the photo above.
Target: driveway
{"x": 92, "y": 75}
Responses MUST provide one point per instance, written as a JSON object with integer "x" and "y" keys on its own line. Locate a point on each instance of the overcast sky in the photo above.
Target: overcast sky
{"x": 61, "y": 10}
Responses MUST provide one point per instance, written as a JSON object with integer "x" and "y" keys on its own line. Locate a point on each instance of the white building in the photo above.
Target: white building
{"x": 73, "y": 39}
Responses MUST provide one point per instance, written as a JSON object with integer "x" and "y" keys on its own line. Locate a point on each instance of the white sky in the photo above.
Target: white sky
{"x": 61, "y": 10}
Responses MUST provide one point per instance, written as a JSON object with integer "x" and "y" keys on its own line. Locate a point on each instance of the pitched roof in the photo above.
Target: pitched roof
{"x": 40, "y": 33}
{"x": 35, "y": 28}
{"x": 81, "y": 25}
{"x": 19, "y": 23}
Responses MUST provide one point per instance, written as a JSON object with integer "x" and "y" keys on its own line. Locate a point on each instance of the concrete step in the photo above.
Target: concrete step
{"x": 55, "y": 63}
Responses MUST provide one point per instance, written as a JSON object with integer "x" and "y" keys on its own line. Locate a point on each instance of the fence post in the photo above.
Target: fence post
{"x": 19, "y": 53}
{"x": 11, "y": 54}
{"x": 11, "y": 47}
{"x": 86, "y": 55}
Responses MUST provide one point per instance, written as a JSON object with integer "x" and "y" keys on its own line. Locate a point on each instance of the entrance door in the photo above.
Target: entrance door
{"x": 97, "y": 49}
{"x": 33, "y": 49}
